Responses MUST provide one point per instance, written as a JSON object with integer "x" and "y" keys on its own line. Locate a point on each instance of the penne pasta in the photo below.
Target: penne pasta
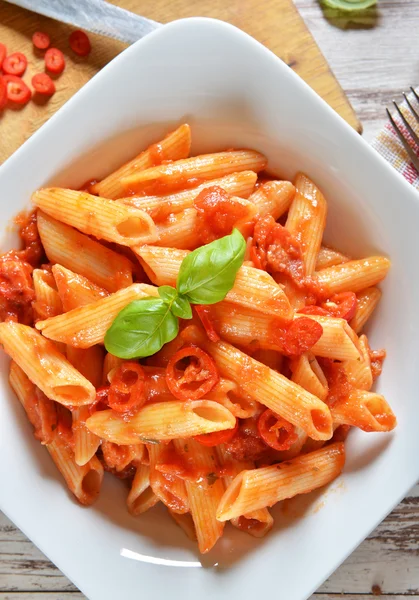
{"x": 366, "y": 410}
{"x": 307, "y": 220}
{"x": 354, "y": 275}
{"x": 307, "y": 372}
{"x": 75, "y": 290}
{"x": 249, "y": 328}
{"x": 141, "y": 497}
{"x": 174, "y": 146}
{"x": 162, "y": 421}
{"x": 258, "y": 488}
{"x": 160, "y": 207}
{"x": 268, "y": 387}
{"x": 185, "y": 522}
{"x": 168, "y": 488}
{"x": 45, "y": 366}
{"x": 203, "y": 500}
{"x": 228, "y": 394}
{"x": 102, "y": 218}
{"x": 359, "y": 372}
{"x": 273, "y": 198}
{"x": 76, "y": 251}
{"x": 110, "y": 363}
{"x": 47, "y": 300}
{"x": 258, "y": 522}
{"x": 367, "y": 301}
{"x": 118, "y": 458}
{"x": 253, "y": 288}
{"x": 166, "y": 178}
{"x": 86, "y": 326}
{"x": 327, "y": 257}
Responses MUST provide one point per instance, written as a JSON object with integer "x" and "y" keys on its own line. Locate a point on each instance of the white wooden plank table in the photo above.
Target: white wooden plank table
{"x": 374, "y": 63}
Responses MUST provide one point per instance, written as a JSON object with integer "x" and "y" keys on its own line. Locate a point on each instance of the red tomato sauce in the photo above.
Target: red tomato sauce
{"x": 217, "y": 213}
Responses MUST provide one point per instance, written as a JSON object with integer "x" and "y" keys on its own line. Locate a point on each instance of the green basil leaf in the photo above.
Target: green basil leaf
{"x": 167, "y": 293}
{"x": 141, "y": 329}
{"x": 208, "y": 273}
{"x": 350, "y": 5}
{"x": 181, "y": 308}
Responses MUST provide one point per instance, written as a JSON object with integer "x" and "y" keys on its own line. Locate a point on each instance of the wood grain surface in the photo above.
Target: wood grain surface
{"x": 374, "y": 61}
{"x": 275, "y": 23}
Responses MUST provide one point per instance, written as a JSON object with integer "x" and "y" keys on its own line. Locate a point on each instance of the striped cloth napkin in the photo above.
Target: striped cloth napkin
{"x": 388, "y": 144}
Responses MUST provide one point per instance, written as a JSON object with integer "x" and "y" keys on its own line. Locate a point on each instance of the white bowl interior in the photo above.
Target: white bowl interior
{"x": 234, "y": 93}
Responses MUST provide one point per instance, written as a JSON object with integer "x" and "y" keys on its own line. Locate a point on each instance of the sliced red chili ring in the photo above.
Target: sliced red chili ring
{"x": 17, "y": 90}
{"x": 301, "y": 335}
{"x": 275, "y": 431}
{"x": 80, "y": 43}
{"x": 41, "y": 40}
{"x": 3, "y": 93}
{"x": 127, "y": 391}
{"x": 191, "y": 373}
{"x": 54, "y": 60}
{"x": 342, "y": 305}
{"x": 43, "y": 84}
{"x": 15, "y": 64}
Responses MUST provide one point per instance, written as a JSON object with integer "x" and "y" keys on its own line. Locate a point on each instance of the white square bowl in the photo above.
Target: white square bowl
{"x": 233, "y": 92}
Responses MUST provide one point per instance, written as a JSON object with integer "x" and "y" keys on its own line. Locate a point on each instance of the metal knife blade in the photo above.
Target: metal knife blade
{"x": 96, "y": 16}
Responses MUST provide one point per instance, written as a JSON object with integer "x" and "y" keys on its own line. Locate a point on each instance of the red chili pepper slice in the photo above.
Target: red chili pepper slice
{"x": 275, "y": 431}
{"x": 204, "y": 313}
{"x": 80, "y": 43}
{"x": 301, "y": 335}
{"x": 43, "y": 84}
{"x": 191, "y": 373}
{"x": 3, "y": 93}
{"x": 3, "y": 53}
{"x": 17, "y": 90}
{"x": 15, "y": 64}
{"x": 342, "y": 306}
{"x": 217, "y": 437}
{"x": 41, "y": 40}
{"x": 54, "y": 60}
{"x": 127, "y": 389}
{"x": 101, "y": 402}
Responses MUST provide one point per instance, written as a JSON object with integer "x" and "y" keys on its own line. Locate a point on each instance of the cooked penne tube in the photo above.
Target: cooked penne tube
{"x": 110, "y": 363}
{"x": 162, "y": 421}
{"x": 307, "y": 372}
{"x": 83, "y": 481}
{"x": 273, "y": 198}
{"x": 47, "y": 300}
{"x": 354, "y": 275}
{"x": 367, "y": 301}
{"x": 358, "y": 371}
{"x": 228, "y": 394}
{"x": 258, "y": 488}
{"x": 250, "y": 328}
{"x": 141, "y": 497}
{"x": 203, "y": 500}
{"x": 45, "y": 366}
{"x": 159, "y": 207}
{"x": 96, "y": 216}
{"x": 185, "y": 522}
{"x": 170, "y": 489}
{"x": 206, "y": 166}
{"x": 89, "y": 363}
{"x": 327, "y": 257}
{"x": 75, "y": 290}
{"x": 76, "y": 251}
{"x": 174, "y": 146}
{"x": 271, "y": 358}
{"x": 307, "y": 219}
{"x": 258, "y": 522}
{"x": 86, "y": 326}
{"x": 268, "y": 387}
{"x": 252, "y": 288}
{"x": 366, "y": 410}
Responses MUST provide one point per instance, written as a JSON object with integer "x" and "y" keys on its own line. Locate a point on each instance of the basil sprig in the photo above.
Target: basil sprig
{"x": 205, "y": 276}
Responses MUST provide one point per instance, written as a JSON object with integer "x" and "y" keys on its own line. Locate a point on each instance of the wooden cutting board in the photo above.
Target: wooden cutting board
{"x": 275, "y": 23}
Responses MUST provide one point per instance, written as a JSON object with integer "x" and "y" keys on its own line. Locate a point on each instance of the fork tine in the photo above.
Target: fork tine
{"x": 412, "y": 110}
{"x": 406, "y": 146}
{"x": 414, "y": 93}
{"x": 407, "y": 124}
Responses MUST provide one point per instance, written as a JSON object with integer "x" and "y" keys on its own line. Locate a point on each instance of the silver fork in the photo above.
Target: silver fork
{"x": 405, "y": 142}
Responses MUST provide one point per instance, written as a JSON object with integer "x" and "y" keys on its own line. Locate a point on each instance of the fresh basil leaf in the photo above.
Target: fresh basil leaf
{"x": 208, "y": 273}
{"x": 350, "y": 5}
{"x": 141, "y": 329}
{"x": 167, "y": 293}
{"x": 181, "y": 308}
